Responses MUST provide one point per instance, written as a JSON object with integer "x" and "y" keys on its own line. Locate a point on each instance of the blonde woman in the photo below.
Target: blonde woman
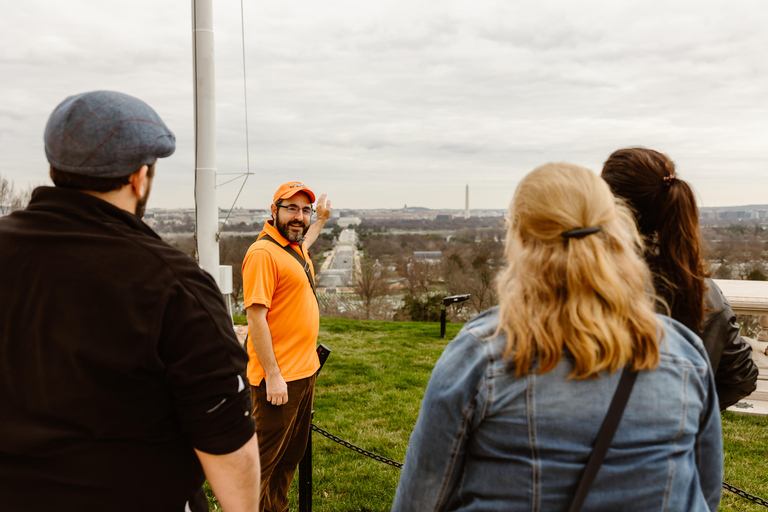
{"x": 515, "y": 403}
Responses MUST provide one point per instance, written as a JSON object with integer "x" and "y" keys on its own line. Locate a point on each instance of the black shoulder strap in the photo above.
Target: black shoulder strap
{"x": 304, "y": 264}
{"x": 604, "y": 437}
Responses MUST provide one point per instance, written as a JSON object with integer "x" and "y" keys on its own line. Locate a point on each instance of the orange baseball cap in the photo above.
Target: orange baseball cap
{"x": 290, "y": 189}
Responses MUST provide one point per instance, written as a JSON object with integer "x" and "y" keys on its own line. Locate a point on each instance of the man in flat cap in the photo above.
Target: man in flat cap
{"x": 283, "y": 322}
{"x": 121, "y": 379}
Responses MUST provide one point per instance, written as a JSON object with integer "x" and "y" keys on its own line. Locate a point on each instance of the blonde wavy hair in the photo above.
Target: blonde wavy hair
{"x": 592, "y": 296}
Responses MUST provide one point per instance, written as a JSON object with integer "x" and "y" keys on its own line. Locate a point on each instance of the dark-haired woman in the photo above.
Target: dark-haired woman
{"x": 668, "y": 219}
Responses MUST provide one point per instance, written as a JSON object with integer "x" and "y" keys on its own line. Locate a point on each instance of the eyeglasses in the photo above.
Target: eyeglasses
{"x": 307, "y": 211}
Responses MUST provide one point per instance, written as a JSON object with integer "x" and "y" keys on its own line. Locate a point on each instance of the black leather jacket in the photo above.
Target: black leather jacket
{"x": 729, "y": 353}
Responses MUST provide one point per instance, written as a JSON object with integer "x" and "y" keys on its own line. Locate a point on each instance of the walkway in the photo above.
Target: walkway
{"x": 338, "y": 269}
{"x": 757, "y": 403}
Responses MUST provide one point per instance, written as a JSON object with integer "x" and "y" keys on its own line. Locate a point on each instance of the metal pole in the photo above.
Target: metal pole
{"x": 442, "y": 320}
{"x": 305, "y": 476}
{"x": 206, "y": 209}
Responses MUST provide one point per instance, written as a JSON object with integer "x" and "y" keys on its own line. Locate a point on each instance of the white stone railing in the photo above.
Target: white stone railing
{"x": 748, "y": 298}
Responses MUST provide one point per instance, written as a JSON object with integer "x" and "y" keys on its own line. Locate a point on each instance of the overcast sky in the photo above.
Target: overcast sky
{"x": 385, "y": 103}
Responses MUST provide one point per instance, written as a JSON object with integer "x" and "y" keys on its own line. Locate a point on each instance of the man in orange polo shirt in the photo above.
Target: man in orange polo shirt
{"x": 283, "y": 321}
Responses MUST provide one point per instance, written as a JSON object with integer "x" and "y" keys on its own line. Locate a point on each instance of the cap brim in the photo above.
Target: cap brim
{"x": 290, "y": 194}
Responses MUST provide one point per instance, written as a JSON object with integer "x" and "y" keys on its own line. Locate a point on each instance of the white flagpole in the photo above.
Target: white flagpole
{"x": 206, "y": 209}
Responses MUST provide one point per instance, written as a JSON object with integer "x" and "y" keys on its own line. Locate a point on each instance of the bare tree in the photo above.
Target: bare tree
{"x": 21, "y": 200}
{"x": 12, "y": 199}
{"x": 473, "y": 270}
{"x": 7, "y": 195}
{"x": 482, "y": 291}
{"x": 477, "y": 278}
{"x": 418, "y": 274}
{"x": 371, "y": 285}
{"x": 720, "y": 254}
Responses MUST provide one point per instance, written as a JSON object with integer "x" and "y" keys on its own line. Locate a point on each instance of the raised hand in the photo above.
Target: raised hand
{"x": 323, "y": 208}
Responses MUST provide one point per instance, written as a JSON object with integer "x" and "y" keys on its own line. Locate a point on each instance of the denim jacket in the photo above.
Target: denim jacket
{"x": 488, "y": 441}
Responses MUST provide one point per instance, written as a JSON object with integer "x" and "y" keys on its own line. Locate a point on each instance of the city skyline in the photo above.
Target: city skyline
{"x": 381, "y": 104}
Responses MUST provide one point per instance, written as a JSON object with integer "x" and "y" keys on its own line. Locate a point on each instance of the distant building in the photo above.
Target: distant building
{"x": 428, "y": 256}
{"x": 443, "y": 217}
{"x": 257, "y": 218}
{"x": 348, "y": 221}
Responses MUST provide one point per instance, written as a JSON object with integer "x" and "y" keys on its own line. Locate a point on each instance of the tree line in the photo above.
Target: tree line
{"x": 737, "y": 251}
{"x": 472, "y": 258}
{"x": 392, "y": 283}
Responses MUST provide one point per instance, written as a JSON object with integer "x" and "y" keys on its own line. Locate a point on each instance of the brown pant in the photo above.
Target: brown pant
{"x": 282, "y": 432}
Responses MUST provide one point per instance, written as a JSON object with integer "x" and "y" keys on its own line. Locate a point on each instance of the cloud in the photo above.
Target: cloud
{"x": 406, "y": 98}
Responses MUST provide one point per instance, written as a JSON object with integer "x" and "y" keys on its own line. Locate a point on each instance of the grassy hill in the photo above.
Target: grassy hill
{"x": 369, "y": 394}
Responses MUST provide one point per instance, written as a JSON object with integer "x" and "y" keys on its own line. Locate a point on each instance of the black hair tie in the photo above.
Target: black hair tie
{"x": 580, "y": 232}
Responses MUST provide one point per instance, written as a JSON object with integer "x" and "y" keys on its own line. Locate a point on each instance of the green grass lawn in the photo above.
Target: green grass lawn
{"x": 369, "y": 394}
{"x": 746, "y": 464}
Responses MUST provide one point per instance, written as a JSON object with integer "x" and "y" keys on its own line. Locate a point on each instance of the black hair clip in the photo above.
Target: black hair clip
{"x": 580, "y": 232}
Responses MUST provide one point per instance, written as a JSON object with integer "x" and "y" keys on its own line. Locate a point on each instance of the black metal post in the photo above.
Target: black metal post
{"x": 305, "y": 476}
{"x": 442, "y": 320}
{"x": 447, "y": 301}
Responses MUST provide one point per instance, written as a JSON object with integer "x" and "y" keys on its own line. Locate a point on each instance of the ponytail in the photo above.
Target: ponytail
{"x": 677, "y": 256}
{"x": 589, "y": 296}
{"x": 668, "y": 218}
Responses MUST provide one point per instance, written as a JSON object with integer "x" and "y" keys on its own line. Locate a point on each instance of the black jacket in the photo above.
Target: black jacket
{"x": 117, "y": 357}
{"x": 730, "y": 354}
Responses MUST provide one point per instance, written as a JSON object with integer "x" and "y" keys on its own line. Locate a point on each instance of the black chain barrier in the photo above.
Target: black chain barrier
{"x": 728, "y": 487}
{"x": 356, "y": 448}
{"x": 745, "y": 494}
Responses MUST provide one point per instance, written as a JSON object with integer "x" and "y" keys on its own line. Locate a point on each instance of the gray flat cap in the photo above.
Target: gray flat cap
{"x": 105, "y": 134}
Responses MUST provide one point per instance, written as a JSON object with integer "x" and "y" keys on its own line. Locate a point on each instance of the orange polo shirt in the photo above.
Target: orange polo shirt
{"x": 273, "y": 278}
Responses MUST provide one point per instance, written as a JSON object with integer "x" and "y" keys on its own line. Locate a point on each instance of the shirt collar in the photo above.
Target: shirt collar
{"x": 68, "y": 200}
{"x": 271, "y": 230}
